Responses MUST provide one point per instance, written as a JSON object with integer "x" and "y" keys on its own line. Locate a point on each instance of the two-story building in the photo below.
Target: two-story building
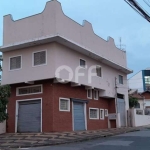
{"x": 63, "y": 76}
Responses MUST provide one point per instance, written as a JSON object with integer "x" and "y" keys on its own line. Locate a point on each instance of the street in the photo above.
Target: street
{"x": 132, "y": 141}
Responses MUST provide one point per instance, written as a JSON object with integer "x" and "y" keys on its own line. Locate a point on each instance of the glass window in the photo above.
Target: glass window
{"x": 102, "y": 114}
{"x": 120, "y": 79}
{"x": 39, "y": 58}
{"x": 94, "y": 113}
{"x": 15, "y": 63}
{"x": 98, "y": 71}
{"x": 89, "y": 93}
{"x": 64, "y": 104}
{"x": 82, "y": 63}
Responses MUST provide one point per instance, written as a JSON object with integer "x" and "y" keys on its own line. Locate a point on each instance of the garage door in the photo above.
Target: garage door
{"x": 29, "y": 116}
{"x": 79, "y": 117}
{"x": 121, "y": 110}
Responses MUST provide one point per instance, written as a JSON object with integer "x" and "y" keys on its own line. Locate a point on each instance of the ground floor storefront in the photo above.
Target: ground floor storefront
{"x": 46, "y": 106}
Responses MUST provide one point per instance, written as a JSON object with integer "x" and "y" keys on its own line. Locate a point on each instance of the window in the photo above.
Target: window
{"x": 82, "y": 63}
{"x": 39, "y": 58}
{"x": 106, "y": 112}
{"x": 94, "y": 113}
{"x": 102, "y": 114}
{"x": 96, "y": 94}
{"x": 98, "y": 71}
{"x": 120, "y": 79}
{"x": 15, "y": 62}
{"x": 64, "y": 104}
{"x": 89, "y": 93}
{"x": 28, "y": 90}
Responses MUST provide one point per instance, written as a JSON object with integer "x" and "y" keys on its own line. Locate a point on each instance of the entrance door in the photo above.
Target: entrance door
{"x": 79, "y": 117}
{"x": 121, "y": 110}
{"x": 29, "y": 116}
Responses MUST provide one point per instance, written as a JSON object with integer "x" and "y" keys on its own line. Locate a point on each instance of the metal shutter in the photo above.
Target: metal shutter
{"x": 79, "y": 118}
{"x": 121, "y": 110}
{"x": 40, "y": 58}
{"x": 29, "y": 116}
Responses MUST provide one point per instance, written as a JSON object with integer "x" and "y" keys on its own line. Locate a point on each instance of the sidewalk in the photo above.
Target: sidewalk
{"x": 23, "y": 140}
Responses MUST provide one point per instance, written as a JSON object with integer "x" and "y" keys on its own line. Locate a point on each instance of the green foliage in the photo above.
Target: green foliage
{"x": 4, "y": 95}
{"x": 133, "y": 102}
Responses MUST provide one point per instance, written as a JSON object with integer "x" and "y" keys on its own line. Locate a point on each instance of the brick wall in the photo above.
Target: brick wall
{"x": 53, "y": 119}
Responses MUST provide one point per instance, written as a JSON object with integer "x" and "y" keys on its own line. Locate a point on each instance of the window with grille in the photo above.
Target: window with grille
{"x": 64, "y": 104}
{"x": 94, "y": 113}
{"x": 96, "y": 94}
{"x": 120, "y": 79}
{"x": 39, "y": 58}
{"x": 15, "y": 62}
{"x": 101, "y": 114}
{"x": 82, "y": 63}
{"x": 89, "y": 93}
{"x": 106, "y": 112}
{"x": 98, "y": 71}
{"x": 29, "y": 90}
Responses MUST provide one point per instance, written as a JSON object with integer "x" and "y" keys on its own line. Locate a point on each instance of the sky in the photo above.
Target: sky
{"x": 113, "y": 18}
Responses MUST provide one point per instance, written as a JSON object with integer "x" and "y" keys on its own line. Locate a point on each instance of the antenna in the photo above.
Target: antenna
{"x": 121, "y": 46}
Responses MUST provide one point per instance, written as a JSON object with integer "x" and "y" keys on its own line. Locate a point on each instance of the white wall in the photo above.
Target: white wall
{"x": 136, "y": 82}
{"x": 139, "y": 120}
{"x": 2, "y": 127}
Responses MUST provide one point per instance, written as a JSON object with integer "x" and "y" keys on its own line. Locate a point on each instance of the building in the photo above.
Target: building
{"x": 63, "y": 76}
{"x": 140, "y": 81}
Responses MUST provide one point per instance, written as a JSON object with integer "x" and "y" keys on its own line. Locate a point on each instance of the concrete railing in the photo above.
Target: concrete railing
{"x": 3, "y": 127}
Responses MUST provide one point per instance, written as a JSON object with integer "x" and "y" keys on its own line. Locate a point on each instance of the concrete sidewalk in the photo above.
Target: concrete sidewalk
{"x": 24, "y": 140}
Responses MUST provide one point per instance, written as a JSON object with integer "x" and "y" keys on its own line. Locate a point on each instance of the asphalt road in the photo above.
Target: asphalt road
{"x": 131, "y": 141}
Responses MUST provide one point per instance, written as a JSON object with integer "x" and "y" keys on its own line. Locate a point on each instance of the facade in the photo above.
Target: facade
{"x": 63, "y": 76}
{"x": 140, "y": 81}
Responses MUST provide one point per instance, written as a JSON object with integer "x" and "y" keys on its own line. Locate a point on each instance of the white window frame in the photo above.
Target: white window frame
{"x": 85, "y": 63}
{"x": 17, "y": 68}
{"x": 33, "y": 58}
{"x": 101, "y": 71}
{"x": 97, "y": 94}
{"x": 97, "y": 113}
{"x": 103, "y": 117}
{"x": 90, "y": 92}
{"x": 106, "y": 114}
{"x": 17, "y": 90}
{"x": 122, "y": 79}
{"x": 68, "y": 104}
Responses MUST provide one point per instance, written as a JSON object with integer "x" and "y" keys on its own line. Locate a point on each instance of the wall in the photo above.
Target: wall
{"x": 136, "y": 82}
{"x": 2, "y": 127}
{"x": 139, "y": 120}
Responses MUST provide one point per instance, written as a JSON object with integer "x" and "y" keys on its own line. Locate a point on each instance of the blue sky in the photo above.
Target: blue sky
{"x": 109, "y": 18}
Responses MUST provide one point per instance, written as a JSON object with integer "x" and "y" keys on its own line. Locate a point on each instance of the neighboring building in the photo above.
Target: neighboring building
{"x": 140, "y": 81}
{"x": 40, "y": 53}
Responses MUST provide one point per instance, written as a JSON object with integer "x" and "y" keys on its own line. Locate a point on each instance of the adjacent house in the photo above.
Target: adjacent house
{"x": 140, "y": 81}
{"x": 63, "y": 76}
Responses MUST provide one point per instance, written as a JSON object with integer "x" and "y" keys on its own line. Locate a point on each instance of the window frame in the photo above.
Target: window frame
{"x": 90, "y": 92}
{"x": 101, "y": 71}
{"x": 122, "y": 79}
{"x": 97, "y": 93}
{"x": 97, "y": 114}
{"x": 106, "y": 115}
{"x": 33, "y": 58}
{"x": 17, "y": 90}
{"x": 20, "y": 65}
{"x": 100, "y": 114}
{"x": 68, "y": 99}
{"x": 80, "y": 64}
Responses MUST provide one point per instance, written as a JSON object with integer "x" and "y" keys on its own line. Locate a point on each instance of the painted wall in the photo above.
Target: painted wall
{"x": 136, "y": 82}
{"x": 2, "y": 127}
{"x": 51, "y": 22}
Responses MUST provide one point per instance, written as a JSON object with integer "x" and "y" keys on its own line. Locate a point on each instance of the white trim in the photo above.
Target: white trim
{"x": 17, "y": 89}
{"x": 97, "y": 94}
{"x": 17, "y": 108}
{"x": 17, "y": 68}
{"x": 106, "y": 115}
{"x": 101, "y": 71}
{"x": 68, "y": 104}
{"x": 122, "y": 79}
{"x": 85, "y": 63}
{"x": 72, "y": 116}
{"x": 103, "y": 117}
{"x": 90, "y": 92}
{"x": 85, "y": 116}
{"x": 97, "y": 113}
{"x": 33, "y": 58}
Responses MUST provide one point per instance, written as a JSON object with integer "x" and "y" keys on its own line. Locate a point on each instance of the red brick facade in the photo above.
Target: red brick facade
{"x": 53, "y": 119}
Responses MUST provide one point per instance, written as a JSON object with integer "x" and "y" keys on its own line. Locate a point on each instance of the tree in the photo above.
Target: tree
{"x": 4, "y": 95}
{"x": 133, "y": 102}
